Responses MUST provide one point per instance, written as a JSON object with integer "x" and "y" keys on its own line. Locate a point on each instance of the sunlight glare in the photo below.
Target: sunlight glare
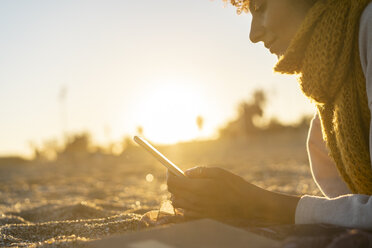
{"x": 169, "y": 112}
{"x": 149, "y": 178}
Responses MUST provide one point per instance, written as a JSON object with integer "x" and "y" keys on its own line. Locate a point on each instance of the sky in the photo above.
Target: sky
{"x": 110, "y": 66}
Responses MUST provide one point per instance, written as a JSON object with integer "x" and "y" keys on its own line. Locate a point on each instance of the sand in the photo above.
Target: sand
{"x": 67, "y": 202}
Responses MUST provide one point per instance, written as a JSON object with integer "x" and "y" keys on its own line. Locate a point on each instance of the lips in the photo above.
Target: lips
{"x": 269, "y": 45}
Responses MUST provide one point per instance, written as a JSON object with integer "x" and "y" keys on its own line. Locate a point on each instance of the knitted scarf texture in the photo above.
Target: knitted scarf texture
{"x": 325, "y": 55}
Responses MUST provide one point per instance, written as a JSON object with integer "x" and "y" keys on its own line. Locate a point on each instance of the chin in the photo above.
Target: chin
{"x": 276, "y": 52}
{"x": 278, "y": 55}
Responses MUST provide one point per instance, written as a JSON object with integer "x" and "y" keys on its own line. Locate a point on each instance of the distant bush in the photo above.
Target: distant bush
{"x": 77, "y": 147}
{"x": 12, "y": 160}
{"x": 200, "y": 122}
{"x": 244, "y": 126}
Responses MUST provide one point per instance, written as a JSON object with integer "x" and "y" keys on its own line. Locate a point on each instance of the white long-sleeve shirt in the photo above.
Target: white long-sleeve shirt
{"x": 338, "y": 206}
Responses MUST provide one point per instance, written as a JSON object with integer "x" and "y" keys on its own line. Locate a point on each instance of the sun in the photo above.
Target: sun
{"x": 169, "y": 112}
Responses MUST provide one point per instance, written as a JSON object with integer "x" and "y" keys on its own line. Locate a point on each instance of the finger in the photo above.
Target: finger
{"x": 194, "y": 201}
{"x": 177, "y": 179}
{"x": 197, "y": 186}
{"x": 185, "y": 203}
{"x": 209, "y": 172}
{"x": 195, "y": 172}
{"x": 190, "y": 196}
{"x": 178, "y": 191}
{"x": 173, "y": 180}
{"x": 202, "y": 207}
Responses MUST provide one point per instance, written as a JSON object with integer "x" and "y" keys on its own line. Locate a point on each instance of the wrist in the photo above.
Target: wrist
{"x": 271, "y": 206}
{"x": 281, "y": 207}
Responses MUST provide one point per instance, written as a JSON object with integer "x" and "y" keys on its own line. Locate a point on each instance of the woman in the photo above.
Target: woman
{"x": 329, "y": 44}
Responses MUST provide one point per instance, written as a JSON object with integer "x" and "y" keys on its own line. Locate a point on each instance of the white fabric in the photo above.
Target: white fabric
{"x": 322, "y": 167}
{"x": 338, "y": 206}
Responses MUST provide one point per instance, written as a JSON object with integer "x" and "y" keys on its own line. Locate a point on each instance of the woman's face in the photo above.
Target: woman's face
{"x": 275, "y": 22}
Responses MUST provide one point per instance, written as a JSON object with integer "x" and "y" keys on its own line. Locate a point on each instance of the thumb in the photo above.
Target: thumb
{"x": 206, "y": 172}
{"x": 195, "y": 172}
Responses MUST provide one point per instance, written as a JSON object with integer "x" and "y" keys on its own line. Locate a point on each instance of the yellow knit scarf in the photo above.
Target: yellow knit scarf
{"x": 325, "y": 53}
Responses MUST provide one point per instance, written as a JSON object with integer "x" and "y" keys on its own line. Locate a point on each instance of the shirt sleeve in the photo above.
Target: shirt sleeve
{"x": 348, "y": 210}
{"x": 338, "y": 207}
{"x": 353, "y": 211}
{"x": 365, "y": 49}
{"x": 323, "y": 169}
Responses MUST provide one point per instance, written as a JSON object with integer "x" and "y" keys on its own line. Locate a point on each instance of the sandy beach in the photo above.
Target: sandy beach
{"x": 65, "y": 203}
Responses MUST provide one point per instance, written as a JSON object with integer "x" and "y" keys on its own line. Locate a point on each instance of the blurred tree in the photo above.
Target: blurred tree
{"x": 77, "y": 147}
{"x": 116, "y": 148}
{"x": 107, "y": 132}
{"x": 275, "y": 125}
{"x": 200, "y": 122}
{"x": 140, "y": 130}
{"x": 127, "y": 143}
{"x": 62, "y": 97}
{"x": 48, "y": 151}
{"x": 12, "y": 161}
{"x": 35, "y": 150}
{"x": 247, "y": 111}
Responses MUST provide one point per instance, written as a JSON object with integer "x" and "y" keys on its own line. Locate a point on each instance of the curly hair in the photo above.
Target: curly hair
{"x": 243, "y": 5}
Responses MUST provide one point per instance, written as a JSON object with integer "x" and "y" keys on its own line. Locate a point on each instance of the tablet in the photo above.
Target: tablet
{"x": 160, "y": 157}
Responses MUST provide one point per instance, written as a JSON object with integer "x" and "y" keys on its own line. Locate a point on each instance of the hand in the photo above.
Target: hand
{"x": 215, "y": 192}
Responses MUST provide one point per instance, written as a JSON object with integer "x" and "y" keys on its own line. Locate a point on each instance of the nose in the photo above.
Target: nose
{"x": 257, "y": 31}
